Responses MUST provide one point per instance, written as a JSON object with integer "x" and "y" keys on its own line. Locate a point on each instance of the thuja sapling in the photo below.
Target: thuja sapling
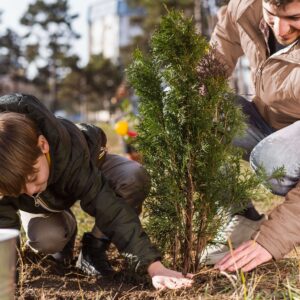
{"x": 187, "y": 121}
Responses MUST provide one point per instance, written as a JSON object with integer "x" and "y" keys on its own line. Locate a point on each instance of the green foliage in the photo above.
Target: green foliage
{"x": 96, "y": 82}
{"x": 11, "y": 54}
{"x": 154, "y": 10}
{"x": 49, "y": 38}
{"x": 50, "y": 25}
{"x": 45, "y": 14}
{"x": 188, "y": 120}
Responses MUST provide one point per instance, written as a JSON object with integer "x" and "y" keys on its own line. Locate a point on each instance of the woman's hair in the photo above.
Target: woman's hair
{"x": 19, "y": 152}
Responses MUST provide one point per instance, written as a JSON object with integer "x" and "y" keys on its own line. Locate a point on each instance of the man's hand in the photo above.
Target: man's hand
{"x": 166, "y": 278}
{"x": 247, "y": 257}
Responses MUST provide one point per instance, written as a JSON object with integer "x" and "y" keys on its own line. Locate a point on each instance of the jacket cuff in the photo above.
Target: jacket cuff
{"x": 140, "y": 266}
{"x": 268, "y": 244}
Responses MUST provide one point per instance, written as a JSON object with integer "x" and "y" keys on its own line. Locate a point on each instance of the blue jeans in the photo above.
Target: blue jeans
{"x": 270, "y": 148}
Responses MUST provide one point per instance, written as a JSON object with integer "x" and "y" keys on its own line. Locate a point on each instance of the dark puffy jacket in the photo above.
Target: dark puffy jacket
{"x": 74, "y": 174}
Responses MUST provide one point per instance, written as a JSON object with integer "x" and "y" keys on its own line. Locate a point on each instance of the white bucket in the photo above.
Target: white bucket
{"x": 7, "y": 263}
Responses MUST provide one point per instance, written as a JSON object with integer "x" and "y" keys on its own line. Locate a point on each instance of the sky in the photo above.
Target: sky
{"x": 14, "y": 9}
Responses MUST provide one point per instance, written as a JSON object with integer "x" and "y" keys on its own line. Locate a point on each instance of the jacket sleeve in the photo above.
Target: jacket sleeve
{"x": 225, "y": 38}
{"x": 8, "y": 214}
{"x": 113, "y": 216}
{"x": 281, "y": 232}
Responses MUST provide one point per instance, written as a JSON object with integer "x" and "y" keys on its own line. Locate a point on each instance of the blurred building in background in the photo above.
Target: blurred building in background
{"x": 111, "y": 27}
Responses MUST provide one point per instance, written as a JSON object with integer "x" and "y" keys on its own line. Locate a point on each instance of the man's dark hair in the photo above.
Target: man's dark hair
{"x": 19, "y": 152}
{"x": 279, "y": 2}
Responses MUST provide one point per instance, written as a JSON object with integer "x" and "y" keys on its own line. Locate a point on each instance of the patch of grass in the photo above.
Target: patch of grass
{"x": 114, "y": 141}
{"x": 85, "y": 222}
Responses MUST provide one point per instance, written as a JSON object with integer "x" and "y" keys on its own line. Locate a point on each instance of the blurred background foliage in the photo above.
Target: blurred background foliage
{"x": 42, "y": 61}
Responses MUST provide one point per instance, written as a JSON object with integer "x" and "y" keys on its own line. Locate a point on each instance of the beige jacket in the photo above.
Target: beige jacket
{"x": 241, "y": 30}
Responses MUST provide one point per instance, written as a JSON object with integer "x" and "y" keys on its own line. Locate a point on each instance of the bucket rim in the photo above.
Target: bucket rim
{"x": 8, "y": 234}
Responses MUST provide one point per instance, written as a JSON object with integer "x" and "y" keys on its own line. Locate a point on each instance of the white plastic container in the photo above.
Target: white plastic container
{"x": 7, "y": 263}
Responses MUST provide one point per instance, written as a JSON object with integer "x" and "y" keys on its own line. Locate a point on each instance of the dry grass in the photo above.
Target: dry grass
{"x": 41, "y": 278}
{"x": 271, "y": 281}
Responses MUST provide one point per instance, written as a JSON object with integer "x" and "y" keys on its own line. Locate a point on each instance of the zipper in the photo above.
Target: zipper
{"x": 38, "y": 201}
{"x": 102, "y": 152}
{"x": 260, "y": 69}
{"x": 275, "y": 56}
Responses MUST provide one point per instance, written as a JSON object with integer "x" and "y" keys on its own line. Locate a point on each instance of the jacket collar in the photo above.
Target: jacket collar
{"x": 249, "y": 15}
{"x": 290, "y": 53}
{"x": 244, "y": 5}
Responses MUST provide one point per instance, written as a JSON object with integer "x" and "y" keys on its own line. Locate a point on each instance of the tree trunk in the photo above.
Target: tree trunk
{"x": 53, "y": 87}
{"x": 188, "y": 244}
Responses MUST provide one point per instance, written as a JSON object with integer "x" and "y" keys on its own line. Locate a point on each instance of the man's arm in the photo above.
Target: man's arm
{"x": 277, "y": 237}
{"x": 281, "y": 232}
{"x": 225, "y": 38}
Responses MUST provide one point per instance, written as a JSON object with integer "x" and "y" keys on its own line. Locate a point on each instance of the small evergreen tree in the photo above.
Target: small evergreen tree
{"x": 187, "y": 123}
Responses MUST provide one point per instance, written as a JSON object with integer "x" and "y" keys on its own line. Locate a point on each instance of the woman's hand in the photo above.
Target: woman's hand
{"x": 165, "y": 278}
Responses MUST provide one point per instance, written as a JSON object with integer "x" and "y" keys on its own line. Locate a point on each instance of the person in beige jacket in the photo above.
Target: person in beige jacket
{"x": 267, "y": 32}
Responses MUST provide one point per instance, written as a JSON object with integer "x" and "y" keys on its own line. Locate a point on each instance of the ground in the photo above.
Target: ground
{"x": 41, "y": 278}
{"x": 45, "y": 279}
